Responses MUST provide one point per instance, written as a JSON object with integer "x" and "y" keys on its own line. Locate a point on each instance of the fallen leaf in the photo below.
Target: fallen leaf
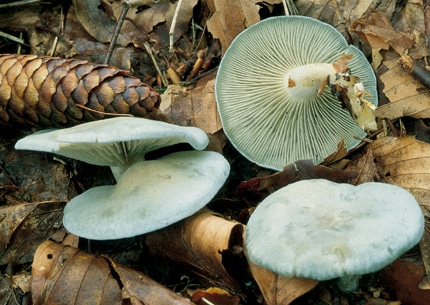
{"x": 402, "y": 278}
{"x": 215, "y": 295}
{"x": 25, "y": 226}
{"x": 67, "y": 275}
{"x": 340, "y": 153}
{"x": 197, "y": 107}
{"x": 408, "y": 97}
{"x": 229, "y": 18}
{"x": 376, "y": 31}
{"x": 155, "y": 22}
{"x": 405, "y": 162}
{"x": 300, "y": 170}
{"x": 198, "y": 242}
{"x": 365, "y": 167}
{"x": 278, "y": 289}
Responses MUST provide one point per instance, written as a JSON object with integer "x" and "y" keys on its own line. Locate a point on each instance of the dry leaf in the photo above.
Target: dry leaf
{"x": 215, "y": 295}
{"x": 24, "y": 227}
{"x": 67, "y": 275}
{"x": 192, "y": 106}
{"x": 408, "y": 97}
{"x": 340, "y": 153}
{"x": 229, "y": 18}
{"x": 300, "y": 170}
{"x": 405, "y": 162}
{"x": 376, "y": 31}
{"x": 278, "y": 289}
{"x": 365, "y": 167}
{"x": 198, "y": 242}
{"x": 155, "y": 22}
{"x": 403, "y": 278}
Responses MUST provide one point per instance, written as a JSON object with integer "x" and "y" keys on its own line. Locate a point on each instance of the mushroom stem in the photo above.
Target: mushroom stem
{"x": 348, "y": 283}
{"x": 307, "y": 81}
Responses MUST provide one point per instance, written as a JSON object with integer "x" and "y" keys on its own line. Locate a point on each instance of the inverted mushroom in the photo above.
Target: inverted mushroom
{"x": 322, "y": 230}
{"x": 273, "y": 91}
{"x": 117, "y": 142}
{"x": 148, "y": 196}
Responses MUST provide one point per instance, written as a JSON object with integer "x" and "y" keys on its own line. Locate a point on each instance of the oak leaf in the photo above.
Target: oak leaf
{"x": 67, "y": 275}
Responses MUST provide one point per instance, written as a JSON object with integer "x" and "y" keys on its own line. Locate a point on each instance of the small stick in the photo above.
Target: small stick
{"x": 124, "y": 10}
{"x": 104, "y": 113}
{"x": 173, "y": 25}
{"x": 149, "y": 50}
{"x": 362, "y": 139}
{"x": 418, "y": 71}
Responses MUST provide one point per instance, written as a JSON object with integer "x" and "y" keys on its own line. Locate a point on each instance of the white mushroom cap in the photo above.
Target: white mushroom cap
{"x": 259, "y": 116}
{"x": 149, "y": 196}
{"x": 118, "y": 142}
{"x": 323, "y": 230}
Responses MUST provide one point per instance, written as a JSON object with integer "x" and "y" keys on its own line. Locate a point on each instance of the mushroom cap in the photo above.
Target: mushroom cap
{"x": 262, "y": 122}
{"x": 323, "y": 230}
{"x": 117, "y": 142}
{"x": 149, "y": 195}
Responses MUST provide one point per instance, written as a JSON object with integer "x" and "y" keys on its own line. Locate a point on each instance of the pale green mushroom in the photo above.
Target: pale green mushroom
{"x": 267, "y": 91}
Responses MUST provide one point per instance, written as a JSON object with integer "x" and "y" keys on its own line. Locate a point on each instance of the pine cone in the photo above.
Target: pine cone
{"x": 50, "y": 91}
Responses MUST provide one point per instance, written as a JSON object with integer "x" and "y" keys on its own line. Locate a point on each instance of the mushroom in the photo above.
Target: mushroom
{"x": 277, "y": 91}
{"x": 322, "y": 230}
{"x": 149, "y": 195}
{"x": 117, "y": 142}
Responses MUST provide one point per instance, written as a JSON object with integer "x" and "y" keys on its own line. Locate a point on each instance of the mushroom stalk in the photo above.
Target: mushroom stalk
{"x": 348, "y": 283}
{"x": 308, "y": 81}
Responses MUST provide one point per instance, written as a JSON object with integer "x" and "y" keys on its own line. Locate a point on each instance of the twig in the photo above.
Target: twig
{"x": 18, "y": 3}
{"x": 151, "y": 54}
{"x": 173, "y": 25}
{"x": 125, "y": 6}
{"x": 362, "y": 139}
{"x": 13, "y": 38}
{"x": 60, "y": 33}
{"x": 104, "y": 113}
{"x": 418, "y": 71}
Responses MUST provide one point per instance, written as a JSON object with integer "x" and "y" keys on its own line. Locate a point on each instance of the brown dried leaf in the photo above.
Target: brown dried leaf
{"x": 155, "y": 22}
{"x": 300, "y": 170}
{"x": 278, "y": 289}
{"x": 403, "y": 278}
{"x": 215, "y": 295}
{"x": 24, "y": 227}
{"x": 96, "y": 22}
{"x": 365, "y": 167}
{"x": 192, "y": 106}
{"x": 408, "y": 97}
{"x": 406, "y": 163}
{"x": 67, "y": 275}
{"x": 376, "y": 31}
{"x": 340, "y": 153}
{"x": 232, "y": 17}
{"x": 198, "y": 242}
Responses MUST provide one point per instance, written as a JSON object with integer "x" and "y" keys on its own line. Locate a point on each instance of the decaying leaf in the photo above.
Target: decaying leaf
{"x": 197, "y": 242}
{"x": 278, "y": 289}
{"x": 49, "y": 91}
{"x": 405, "y": 162}
{"x": 192, "y": 106}
{"x": 300, "y": 170}
{"x": 340, "y": 153}
{"x": 214, "y": 295}
{"x": 408, "y": 97}
{"x": 377, "y": 32}
{"x": 154, "y": 22}
{"x": 402, "y": 278}
{"x": 67, "y": 275}
{"x": 229, "y": 18}
{"x": 365, "y": 167}
{"x": 24, "y": 227}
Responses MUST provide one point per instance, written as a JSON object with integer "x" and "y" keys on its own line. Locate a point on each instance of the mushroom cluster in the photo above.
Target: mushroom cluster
{"x": 278, "y": 89}
{"x": 149, "y": 194}
{"x": 322, "y": 230}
